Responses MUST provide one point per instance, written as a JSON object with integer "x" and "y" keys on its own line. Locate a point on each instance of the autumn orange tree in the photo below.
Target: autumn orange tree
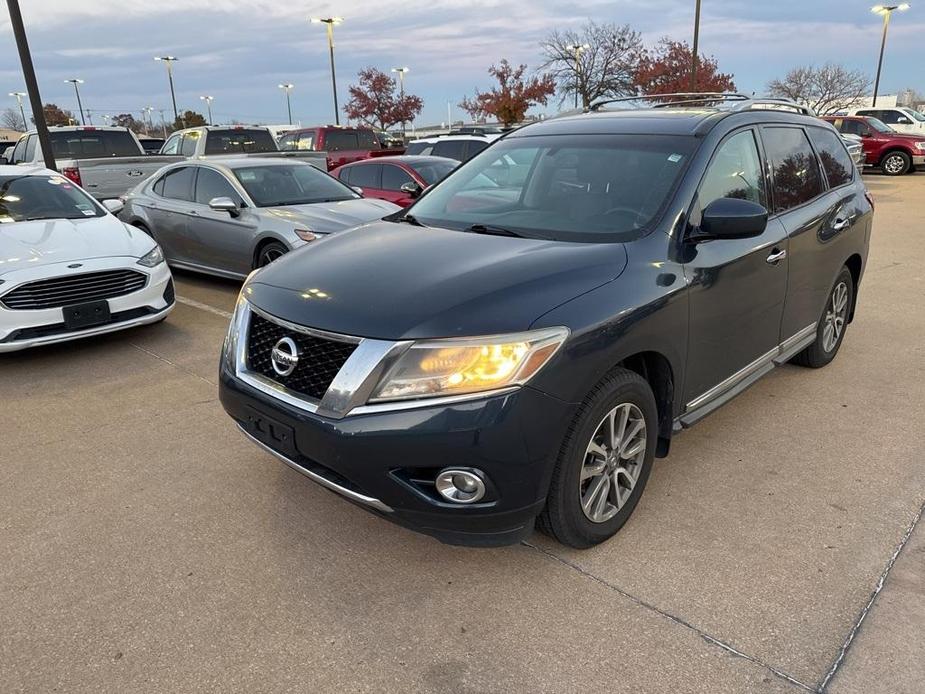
{"x": 373, "y": 101}
{"x": 666, "y": 69}
{"x": 514, "y": 95}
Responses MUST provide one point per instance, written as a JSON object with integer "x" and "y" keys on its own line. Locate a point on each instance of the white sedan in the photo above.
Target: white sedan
{"x": 68, "y": 267}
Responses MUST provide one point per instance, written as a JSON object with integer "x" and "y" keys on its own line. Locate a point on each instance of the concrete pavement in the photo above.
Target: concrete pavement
{"x": 146, "y": 546}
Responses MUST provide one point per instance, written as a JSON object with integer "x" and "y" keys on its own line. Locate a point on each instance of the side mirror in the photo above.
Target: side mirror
{"x": 732, "y": 218}
{"x": 113, "y": 205}
{"x": 4, "y": 161}
{"x": 224, "y": 205}
{"x": 357, "y": 190}
{"x": 411, "y": 188}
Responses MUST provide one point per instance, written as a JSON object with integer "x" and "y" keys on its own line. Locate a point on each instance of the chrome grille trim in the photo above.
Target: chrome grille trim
{"x": 56, "y": 292}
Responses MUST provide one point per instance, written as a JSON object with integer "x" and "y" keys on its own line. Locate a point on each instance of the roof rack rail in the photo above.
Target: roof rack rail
{"x": 737, "y": 101}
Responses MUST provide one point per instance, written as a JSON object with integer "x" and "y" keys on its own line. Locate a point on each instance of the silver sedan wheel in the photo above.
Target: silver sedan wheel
{"x": 835, "y": 314}
{"x": 613, "y": 461}
{"x": 269, "y": 255}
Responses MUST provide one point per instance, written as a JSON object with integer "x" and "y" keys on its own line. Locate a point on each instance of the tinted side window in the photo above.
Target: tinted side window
{"x": 335, "y": 140}
{"x": 393, "y": 177}
{"x": 365, "y": 176}
{"x": 344, "y": 174}
{"x": 854, "y": 127}
{"x": 452, "y": 149}
{"x": 211, "y": 184}
{"x": 178, "y": 184}
{"x": 475, "y": 146}
{"x": 190, "y": 140}
{"x": 797, "y": 179}
{"x": 367, "y": 140}
{"x": 287, "y": 143}
{"x": 423, "y": 148}
{"x": 158, "y": 186}
{"x": 836, "y": 161}
{"x": 734, "y": 172}
{"x": 890, "y": 116}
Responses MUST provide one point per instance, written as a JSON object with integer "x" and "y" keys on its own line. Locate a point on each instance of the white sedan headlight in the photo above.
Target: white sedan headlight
{"x": 152, "y": 258}
{"x": 456, "y": 366}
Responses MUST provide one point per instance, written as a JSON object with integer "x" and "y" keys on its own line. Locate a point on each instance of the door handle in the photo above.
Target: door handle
{"x": 776, "y": 256}
{"x": 841, "y": 224}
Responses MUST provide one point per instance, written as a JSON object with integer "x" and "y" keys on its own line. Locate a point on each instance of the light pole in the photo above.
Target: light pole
{"x": 208, "y": 100}
{"x": 148, "y": 120}
{"x": 287, "y": 87}
{"x": 577, "y": 50}
{"x": 695, "y": 47}
{"x": 169, "y": 60}
{"x": 330, "y": 22}
{"x": 401, "y": 90}
{"x": 80, "y": 107}
{"x": 19, "y": 96}
{"x": 887, "y": 12}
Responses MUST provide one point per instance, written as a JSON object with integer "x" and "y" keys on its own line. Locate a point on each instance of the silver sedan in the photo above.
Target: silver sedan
{"x": 229, "y": 216}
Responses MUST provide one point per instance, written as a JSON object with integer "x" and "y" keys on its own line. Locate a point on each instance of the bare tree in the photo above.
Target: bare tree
{"x": 11, "y": 118}
{"x": 598, "y": 61}
{"x": 825, "y": 89}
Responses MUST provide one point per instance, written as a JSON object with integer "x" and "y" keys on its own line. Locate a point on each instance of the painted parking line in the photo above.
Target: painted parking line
{"x": 204, "y": 307}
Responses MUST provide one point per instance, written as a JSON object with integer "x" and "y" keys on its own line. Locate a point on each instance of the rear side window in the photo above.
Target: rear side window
{"x": 475, "y": 146}
{"x": 853, "y": 127}
{"x": 89, "y": 144}
{"x": 367, "y": 140}
{"x": 734, "y": 172}
{"x": 336, "y": 140}
{"x": 451, "y": 149}
{"x": 796, "y": 175}
{"x": 836, "y": 162}
{"x": 422, "y": 148}
{"x": 178, "y": 184}
{"x": 365, "y": 175}
{"x": 239, "y": 140}
{"x": 344, "y": 174}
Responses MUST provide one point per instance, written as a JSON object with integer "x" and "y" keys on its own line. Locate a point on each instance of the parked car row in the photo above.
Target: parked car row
{"x": 893, "y": 153}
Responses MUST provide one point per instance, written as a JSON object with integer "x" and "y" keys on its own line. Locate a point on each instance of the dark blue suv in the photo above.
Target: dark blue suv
{"x": 520, "y": 343}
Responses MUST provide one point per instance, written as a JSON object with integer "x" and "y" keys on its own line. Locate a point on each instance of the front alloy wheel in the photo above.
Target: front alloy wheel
{"x": 613, "y": 461}
{"x": 270, "y": 252}
{"x": 896, "y": 164}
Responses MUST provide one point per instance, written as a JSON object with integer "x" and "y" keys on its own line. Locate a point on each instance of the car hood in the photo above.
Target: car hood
{"x": 328, "y": 217}
{"x": 27, "y": 244}
{"x": 909, "y": 137}
{"x": 397, "y": 281}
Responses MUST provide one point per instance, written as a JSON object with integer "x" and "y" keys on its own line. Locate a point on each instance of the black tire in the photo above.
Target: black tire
{"x": 896, "y": 163}
{"x": 268, "y": 253}
{"x": 563, "y": 517}
{"x": 817, "y": 355}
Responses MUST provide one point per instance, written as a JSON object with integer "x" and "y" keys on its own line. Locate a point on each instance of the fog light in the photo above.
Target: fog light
{"x": 460, "y": 486}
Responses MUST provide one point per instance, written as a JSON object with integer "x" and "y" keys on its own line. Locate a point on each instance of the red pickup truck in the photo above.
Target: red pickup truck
{"x": 343, "y": 144}
{"x": 894, "y": 153}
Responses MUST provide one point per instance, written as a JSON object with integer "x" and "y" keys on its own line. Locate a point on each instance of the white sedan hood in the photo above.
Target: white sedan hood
{"x": 27, "y": 244}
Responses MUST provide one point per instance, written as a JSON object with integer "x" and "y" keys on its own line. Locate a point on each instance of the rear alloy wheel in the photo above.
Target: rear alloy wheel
{"x": 272, "y": 251}
{"x": 896, "y": 164}
{"x": 604, "y": 462}
{"x": 831, "y": 329}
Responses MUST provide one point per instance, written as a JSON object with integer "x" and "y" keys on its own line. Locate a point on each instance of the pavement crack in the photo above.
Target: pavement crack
{"x": 881, "y": 581}
{"x": 676, "y": 620}
{"x": 173, "y": 364}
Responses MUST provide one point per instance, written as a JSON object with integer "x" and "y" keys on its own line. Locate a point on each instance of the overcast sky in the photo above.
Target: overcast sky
{"x": 239, "y": 51}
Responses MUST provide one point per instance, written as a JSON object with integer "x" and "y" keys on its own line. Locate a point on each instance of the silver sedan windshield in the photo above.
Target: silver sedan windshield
{"x": 296, "y": 184}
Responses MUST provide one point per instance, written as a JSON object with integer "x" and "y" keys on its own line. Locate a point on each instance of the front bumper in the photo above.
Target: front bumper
{"x": 22, "y": 329}
{"x": 382, "y": 460}
{"x": 918, "y": 160}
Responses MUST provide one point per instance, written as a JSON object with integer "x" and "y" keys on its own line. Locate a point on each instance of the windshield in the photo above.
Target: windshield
{"x": 562, "y": 187}
{"x": 291, "y": 184}
{"x": 25, "y": 198}
{"x": 435, "y": 171}
{"x": 912, "y": 113}
{"x": 879, "y": 125}
{"x": 239, "y": 140}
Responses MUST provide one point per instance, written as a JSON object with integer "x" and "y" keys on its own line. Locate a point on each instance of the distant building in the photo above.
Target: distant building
{"x": 7, "y": 135}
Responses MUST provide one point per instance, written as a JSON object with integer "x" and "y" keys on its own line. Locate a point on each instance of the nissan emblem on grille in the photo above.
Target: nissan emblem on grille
{"x": 285, "y": 356}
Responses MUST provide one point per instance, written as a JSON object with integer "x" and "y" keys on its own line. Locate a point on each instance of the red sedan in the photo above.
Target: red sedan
{"x": 397, "y": 179}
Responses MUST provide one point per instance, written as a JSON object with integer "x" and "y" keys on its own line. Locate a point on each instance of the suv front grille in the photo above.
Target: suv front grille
{"x": 319, "y": 359}
{"x": 74, "y": 289}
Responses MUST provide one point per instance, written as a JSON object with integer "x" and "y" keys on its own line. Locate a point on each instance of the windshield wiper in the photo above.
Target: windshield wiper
{"x": 409, "y": 219}
{"x": 492, "y": 230}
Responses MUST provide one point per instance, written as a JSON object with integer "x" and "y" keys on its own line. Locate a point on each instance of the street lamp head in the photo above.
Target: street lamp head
{"x": 18, "y": 94}
{"x": 74, "y": 80}
{"x": 326, "y": 20}
{"x": 166, "y": 58}
{"x": 207, "y": 98}
{"x": 401, "y": 69}
{"x": 886, "y": 9}
{"x": 287, "y": 86}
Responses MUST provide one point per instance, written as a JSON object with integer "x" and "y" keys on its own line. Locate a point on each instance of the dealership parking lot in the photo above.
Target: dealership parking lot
{"x": 147, "y": 546}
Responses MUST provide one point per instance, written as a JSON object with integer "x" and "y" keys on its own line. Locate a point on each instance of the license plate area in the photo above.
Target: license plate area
{"x": 86, "y": 315}
{"x": 270, "y": 432}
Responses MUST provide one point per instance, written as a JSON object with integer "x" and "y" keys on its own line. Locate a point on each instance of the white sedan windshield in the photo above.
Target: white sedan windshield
{"x": 27, "y": 197}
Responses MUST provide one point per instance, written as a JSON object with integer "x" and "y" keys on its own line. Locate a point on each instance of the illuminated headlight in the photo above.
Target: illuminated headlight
{"x": 436, "y": 368}
{"x": 920, "y": 146}
{"x": 152, "y": 258}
